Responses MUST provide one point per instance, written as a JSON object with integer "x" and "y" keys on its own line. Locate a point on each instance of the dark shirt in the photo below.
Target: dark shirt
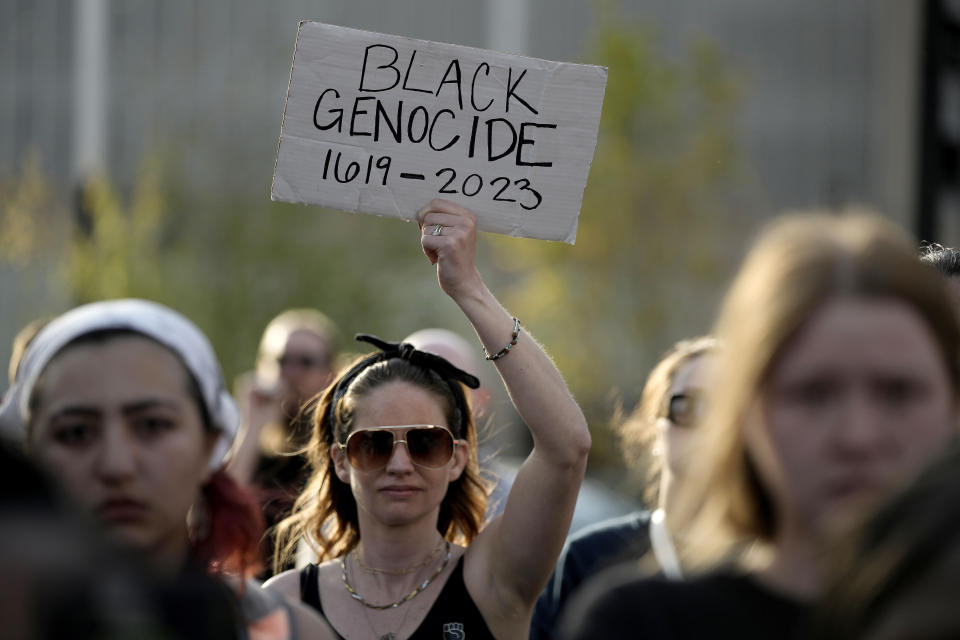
{"x": 279, "y": 481}
{"x": 724, "y": 604}
{"x": 453, "y": 616}
{"x": 585, "y": 554}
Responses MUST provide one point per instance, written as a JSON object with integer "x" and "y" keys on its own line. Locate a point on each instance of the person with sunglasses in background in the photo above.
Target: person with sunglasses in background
{"x": 656, "y": 442}
{"x": 296, "y": 360}
{"x": 394, "y": 507}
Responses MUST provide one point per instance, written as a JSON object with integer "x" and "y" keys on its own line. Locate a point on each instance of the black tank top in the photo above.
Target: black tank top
{"x": 453, "y": 615}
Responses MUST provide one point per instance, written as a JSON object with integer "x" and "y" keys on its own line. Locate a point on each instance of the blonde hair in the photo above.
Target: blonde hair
{"x": 278, "y": 330}
{"x": 20, "y": 343}
{"x": 638, "y": 432}
{"x": 798, "y": 264}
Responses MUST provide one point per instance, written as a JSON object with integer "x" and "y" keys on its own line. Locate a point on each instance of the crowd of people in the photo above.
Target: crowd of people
{"x": 800, "y": 464}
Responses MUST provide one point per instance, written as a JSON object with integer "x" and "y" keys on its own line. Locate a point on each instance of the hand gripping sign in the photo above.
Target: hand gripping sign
{"x": 383, "y": 124}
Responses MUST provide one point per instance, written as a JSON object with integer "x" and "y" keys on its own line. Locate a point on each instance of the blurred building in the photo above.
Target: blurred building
{"x": 843, "y": 102}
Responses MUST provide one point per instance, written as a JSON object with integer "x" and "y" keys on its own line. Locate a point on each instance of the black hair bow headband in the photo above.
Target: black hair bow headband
{"x": 406, "y": 351}
{"x": 423, "y": 359}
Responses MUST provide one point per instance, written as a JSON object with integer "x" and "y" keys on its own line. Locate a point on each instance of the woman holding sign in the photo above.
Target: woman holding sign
{"x": 398, "y": 529}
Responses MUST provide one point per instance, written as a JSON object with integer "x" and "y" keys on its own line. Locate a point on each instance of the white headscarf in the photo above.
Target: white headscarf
{"x": 153, "y": 320}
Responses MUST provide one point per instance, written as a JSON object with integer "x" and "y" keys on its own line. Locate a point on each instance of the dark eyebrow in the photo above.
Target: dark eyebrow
{"x": 135, "y": 407}
{"x": 80, "y": 411}
{"x": 150, "y": 403}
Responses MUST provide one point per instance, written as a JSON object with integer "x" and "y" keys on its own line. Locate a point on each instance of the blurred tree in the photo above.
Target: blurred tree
{"x": 29, "y": 211}
{"x": 229, "y": 262}
{"x": 652, "y": 251}
{"x": 117, "y": 250}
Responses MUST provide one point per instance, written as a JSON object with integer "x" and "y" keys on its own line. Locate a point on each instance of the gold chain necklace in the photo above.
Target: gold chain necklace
{"x": 397, "y": 572}
{"x": 407, "y": 598}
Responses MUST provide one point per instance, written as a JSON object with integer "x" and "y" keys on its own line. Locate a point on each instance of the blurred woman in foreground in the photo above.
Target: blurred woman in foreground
{"x": 900, "y": 574}
{"x": 839, "y": 382}
{"x": 123, "y": 402}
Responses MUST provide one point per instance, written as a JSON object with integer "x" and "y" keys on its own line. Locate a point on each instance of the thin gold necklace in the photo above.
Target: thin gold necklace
{"x": 390, "y": 635}
{"x": 407, "y": 598}
{"x": 397, "y": 572}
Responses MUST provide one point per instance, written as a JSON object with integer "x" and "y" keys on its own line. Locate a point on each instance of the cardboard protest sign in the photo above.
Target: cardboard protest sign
{"x": 383, "y": 124}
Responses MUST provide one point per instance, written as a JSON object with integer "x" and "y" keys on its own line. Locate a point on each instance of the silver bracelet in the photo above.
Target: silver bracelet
{"x": 506, "y": 349}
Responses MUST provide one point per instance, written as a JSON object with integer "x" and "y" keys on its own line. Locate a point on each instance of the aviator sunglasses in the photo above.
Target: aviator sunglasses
{"x": 428, "y": 446}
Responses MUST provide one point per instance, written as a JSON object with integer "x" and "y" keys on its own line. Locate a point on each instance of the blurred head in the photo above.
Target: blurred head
{"x": 392, "y": 389}
{"x": 946, "y": 260}
{"x": 459, "y": 353}
{"x": 297, "y": 355}
{"x": 657, "y": 436}
{"x": 839, "y": 381}
{"x": 59, "y": 578}
{"x": 114, "y": 417}
{"x": 123, "y": 402}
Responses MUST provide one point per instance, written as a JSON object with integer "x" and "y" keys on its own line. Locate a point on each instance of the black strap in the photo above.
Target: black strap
{"x": 425, "y": 359}
{"x": 454, "y": 614}
{"x": 453, "y": 607}
{"x": 310, "y": 587}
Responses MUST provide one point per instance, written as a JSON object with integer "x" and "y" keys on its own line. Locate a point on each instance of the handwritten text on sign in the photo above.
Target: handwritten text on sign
{"x": 382, "y": 124}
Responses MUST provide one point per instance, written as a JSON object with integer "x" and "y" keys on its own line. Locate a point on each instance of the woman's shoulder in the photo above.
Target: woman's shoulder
{"x": 606, "y": 544}
{"x": 274, "y": 613}
{"x": 622, "y": 526}
{"x": 286, "y": 583}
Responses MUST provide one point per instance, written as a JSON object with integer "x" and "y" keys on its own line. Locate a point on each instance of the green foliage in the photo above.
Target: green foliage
{"x": 29, "y": 208}
{"x": 229, "y": 263}
{"x": 646, "y": 270}
{"x": 120, "y": 252}
{"x": 650, "y": 254}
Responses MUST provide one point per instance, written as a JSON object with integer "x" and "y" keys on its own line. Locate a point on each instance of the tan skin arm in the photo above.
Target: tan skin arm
{"x": 509, "y": 563}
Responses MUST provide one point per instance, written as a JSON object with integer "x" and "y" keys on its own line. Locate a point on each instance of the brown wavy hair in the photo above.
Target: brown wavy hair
{"x": 325, "y": 513}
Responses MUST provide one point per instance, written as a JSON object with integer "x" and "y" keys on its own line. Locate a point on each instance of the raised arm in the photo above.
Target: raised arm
{"x": 258, "y": 409}
{"x": 508, "y": 564}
